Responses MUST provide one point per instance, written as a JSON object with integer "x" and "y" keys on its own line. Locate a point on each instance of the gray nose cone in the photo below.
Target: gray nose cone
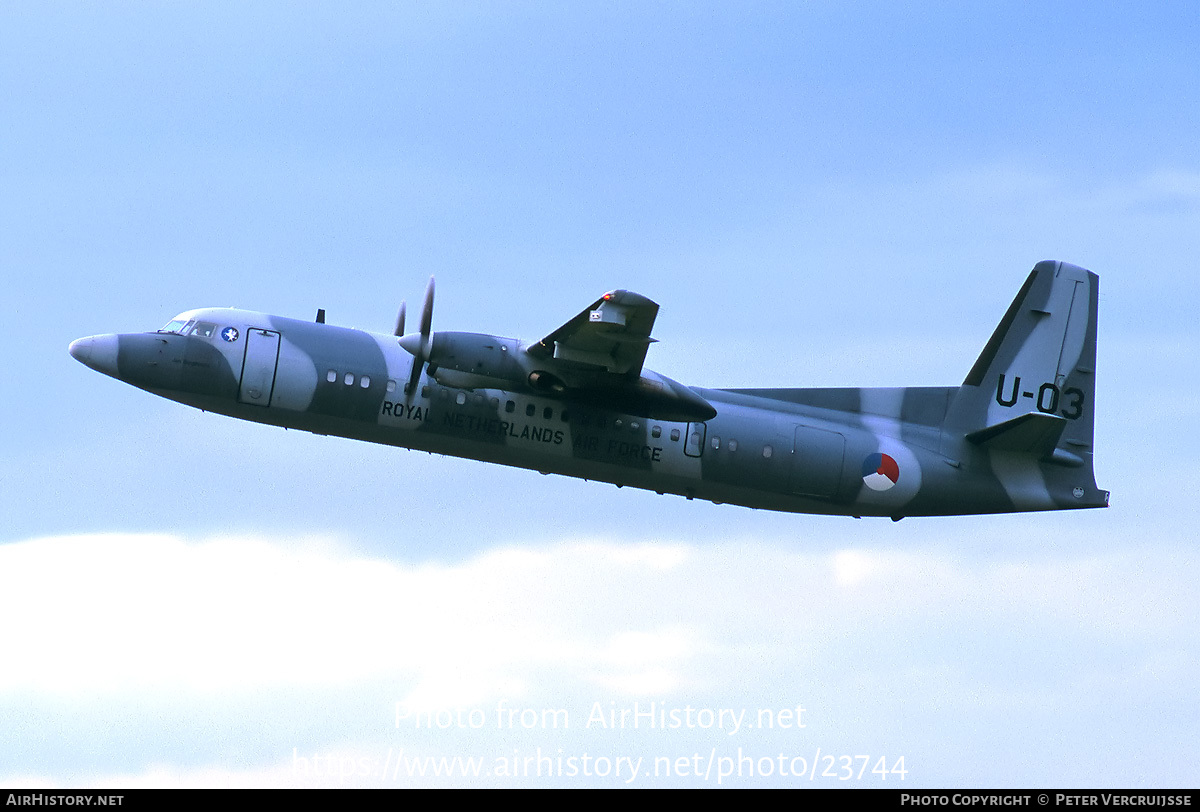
{"x": 97, "y": 352}
{"x": 81, "y": 349}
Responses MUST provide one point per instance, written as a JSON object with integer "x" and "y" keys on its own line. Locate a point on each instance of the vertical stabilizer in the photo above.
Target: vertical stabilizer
{"x": 1028, "y": 401}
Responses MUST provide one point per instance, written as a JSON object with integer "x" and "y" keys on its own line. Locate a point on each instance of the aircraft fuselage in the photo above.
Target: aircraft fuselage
{"x": 860, "y": 452}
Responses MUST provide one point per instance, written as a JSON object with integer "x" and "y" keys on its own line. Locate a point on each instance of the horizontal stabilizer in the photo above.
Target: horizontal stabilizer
{"x": 1032, "y": 433}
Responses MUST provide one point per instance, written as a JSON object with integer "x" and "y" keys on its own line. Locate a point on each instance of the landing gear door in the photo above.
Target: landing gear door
{"x": 258, "y": 369}
{"x": 693, "y": 444}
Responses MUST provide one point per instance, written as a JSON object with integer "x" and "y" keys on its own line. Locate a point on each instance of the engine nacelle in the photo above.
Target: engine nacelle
{"x": 479, "y": 354}
{"x": 478, "y": 360}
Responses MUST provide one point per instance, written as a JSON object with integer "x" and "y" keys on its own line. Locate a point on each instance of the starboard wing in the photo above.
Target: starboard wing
{"x": 611, "y": 335}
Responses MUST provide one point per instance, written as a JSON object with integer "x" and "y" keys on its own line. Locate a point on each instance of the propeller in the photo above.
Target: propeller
{"x": 419, "y": 344}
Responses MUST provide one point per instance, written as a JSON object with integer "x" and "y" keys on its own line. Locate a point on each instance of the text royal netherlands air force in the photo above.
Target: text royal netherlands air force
{"x": 1016, "y": 435}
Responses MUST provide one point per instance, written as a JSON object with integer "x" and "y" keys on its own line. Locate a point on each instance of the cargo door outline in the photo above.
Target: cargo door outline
{"x": 258, "y": 367}
{"x": 817, "y": 457}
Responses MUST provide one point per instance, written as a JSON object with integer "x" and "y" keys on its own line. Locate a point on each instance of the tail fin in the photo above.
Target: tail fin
{"x": 1029, "y": 398}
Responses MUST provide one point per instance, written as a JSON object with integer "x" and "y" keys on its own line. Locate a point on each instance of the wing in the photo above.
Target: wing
{"x": 611, "y": 335}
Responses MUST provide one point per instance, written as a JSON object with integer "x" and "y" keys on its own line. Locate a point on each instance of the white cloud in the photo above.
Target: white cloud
{"x": 241, "y": 613}
{"x": 868, "y": 637}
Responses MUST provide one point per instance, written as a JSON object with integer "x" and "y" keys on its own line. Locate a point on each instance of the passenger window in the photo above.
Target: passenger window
{"x": 365, "y": 381}
{"x": 495, "y": 403}
{"x": 733, "y": 445}
{"x": 767, "y": 452}
{"x": 634, "y": 425}
{"x": 716, "y": 443}
{"x": 547, "y": 413}
{"x": 425, "y": 391}
{"x": 391, "y": 386}
{"x": 349, "y": 379}
{"x": 461, "y": 398}
{"x": 674, "y": 435}
{"x": 656, "y": 432}
{"x": 529, "y": 410}
{"x": 331, "y": 376}
{"x": 510, "y": 407}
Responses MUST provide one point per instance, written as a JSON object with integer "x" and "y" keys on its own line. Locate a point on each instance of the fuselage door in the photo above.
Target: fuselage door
{"x": 258, "y": 369}
{"x": 816, "y": 462}
{"x": 693, "y": 444}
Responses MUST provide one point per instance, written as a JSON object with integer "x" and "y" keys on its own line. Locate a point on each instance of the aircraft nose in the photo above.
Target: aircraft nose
{"x": 97, "y": 352}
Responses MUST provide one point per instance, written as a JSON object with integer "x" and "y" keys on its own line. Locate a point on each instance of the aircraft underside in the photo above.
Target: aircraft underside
{"x": 801, "y": 463}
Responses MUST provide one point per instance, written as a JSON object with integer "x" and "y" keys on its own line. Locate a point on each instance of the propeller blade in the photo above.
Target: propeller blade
{"x": 414, "y": 377}
{"x": 427, "y": 315}
{"x": 399, "y": 331}
{"x": 420, "y": 347}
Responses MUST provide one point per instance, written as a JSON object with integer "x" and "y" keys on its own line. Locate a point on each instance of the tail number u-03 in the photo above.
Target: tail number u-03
{"x": 1048, "y": 398}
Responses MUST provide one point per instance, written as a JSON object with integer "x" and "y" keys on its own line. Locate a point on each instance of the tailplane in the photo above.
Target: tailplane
{"x": 1028, "y": 401}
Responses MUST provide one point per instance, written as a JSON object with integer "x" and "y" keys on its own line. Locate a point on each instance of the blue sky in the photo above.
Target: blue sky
{"x": 817, "y": 194}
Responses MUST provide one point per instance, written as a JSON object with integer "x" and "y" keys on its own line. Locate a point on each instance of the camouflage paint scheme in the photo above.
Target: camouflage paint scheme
{"x": 1015, "y": 436}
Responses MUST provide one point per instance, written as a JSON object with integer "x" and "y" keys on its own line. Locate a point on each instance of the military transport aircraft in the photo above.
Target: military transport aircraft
{"x": 1015, "y": 436}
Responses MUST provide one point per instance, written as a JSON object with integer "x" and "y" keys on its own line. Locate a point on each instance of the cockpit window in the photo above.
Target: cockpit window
{"x": 203, "y": 329}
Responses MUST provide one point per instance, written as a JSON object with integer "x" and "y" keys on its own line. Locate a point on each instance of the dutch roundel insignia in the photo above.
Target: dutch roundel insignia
{"x": 230, "y": 334}
{"x": 880, "y": 472}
